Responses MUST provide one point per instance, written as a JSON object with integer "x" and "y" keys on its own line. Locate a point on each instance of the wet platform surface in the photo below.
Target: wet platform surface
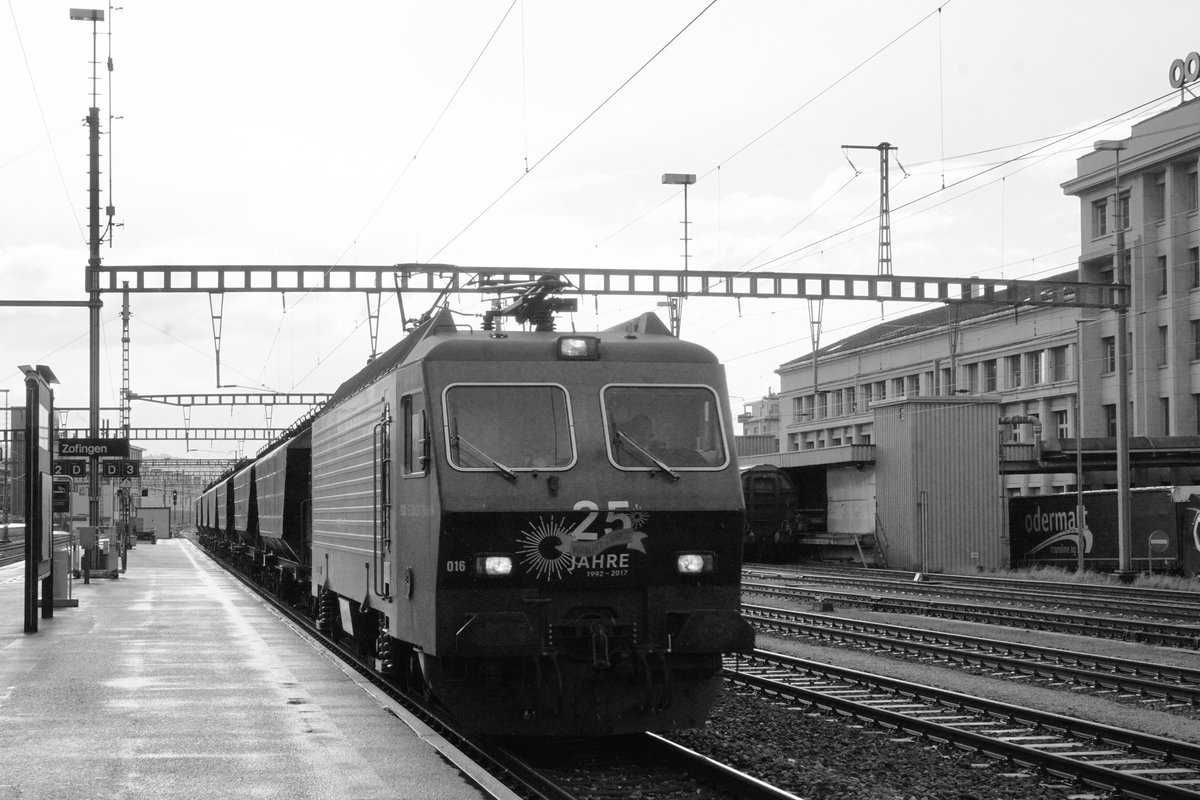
{"x": 174, "y": 681}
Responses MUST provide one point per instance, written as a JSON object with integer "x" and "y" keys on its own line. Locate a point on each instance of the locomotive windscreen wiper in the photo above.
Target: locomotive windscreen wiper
{"x": 459, "y": 441}
{"x": 622, "y": 439}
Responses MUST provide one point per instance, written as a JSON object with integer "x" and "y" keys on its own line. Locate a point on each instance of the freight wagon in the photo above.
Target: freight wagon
{"x": 1164, "y": 534}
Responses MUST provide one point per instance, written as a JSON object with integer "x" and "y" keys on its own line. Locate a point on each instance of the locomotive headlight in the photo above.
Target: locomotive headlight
{"x": 578, "y": 347}
{"x": 493, "y": 566}
{"x": 694, "y": 563}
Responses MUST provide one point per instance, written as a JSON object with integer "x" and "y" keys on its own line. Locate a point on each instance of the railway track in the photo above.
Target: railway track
{"x": 1110, "y": 759}
{"x": 575, "y": 770}
{"x": 645, "y": 765}
{"x": 1177, "y": 687}
{"x": 1186, "y": 603}
{"x": 11, "y": 552}
{"x": 1172, "y": 634}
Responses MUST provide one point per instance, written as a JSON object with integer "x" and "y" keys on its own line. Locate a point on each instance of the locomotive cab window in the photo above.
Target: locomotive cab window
{"x": 652, "y": 427}
{"x": 416, "y": 435}
{"x": 508, "y": 428}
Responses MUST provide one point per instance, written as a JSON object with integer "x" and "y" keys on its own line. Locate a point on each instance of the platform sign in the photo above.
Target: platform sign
{"x": 61, "y": 496}
{"x": 70, "y": 468}
{"x": 120, "y": 469}
{"x": 104, "y": 448}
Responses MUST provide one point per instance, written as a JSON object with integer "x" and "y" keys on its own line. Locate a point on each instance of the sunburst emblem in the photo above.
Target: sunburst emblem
{"x": 638, "y": 518}
{"x": 539, "y": 549}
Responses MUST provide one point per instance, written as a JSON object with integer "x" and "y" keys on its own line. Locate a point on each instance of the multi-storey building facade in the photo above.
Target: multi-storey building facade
{"x": 1155, "y": 213}
{"x": 761, "y": 417}
{"x": 1038, "y": 362}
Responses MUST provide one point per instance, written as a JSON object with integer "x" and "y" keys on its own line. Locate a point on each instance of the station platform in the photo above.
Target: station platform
{"x": 174, "y": 681}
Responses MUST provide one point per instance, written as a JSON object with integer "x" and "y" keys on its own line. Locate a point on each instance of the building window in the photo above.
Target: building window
{"x": 1158, "y": 211}
{"x": 1034, "y": 362}
{"x": 1110, "y": 420}
{"x": 1062, "y": 427}
{"x": 914, "y": 385}
{"x": 1166, "y": 414}
{"x": 1193, "y": 193}
{"x": 852, "y": 400}
{"x": 793, "y": 441}
{"x": 1057, "y": 364}
{"x": 1014, "y": 372}
{"x": 1162, "y": 345}
{"x": 1160, "y": 266}
{"x": 1195, "y": 339}
{"x": 947, "y": 381}
{"x": 1193, "y": 255}
{"x": 972, "y": 378}
{"x": 1109, "y": 343}
{"x": 1099, "y": 218}
{"x": 989, "y": 376}
{"x": 1123, "y": 212}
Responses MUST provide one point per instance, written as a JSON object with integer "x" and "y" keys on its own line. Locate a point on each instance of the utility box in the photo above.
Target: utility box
{"x": 62, "y": 579}
{"x": 104, "y": 545}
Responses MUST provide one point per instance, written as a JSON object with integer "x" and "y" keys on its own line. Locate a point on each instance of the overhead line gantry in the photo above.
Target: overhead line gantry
{"x": 446, "y": 278}
{"x": 235, "y": 399}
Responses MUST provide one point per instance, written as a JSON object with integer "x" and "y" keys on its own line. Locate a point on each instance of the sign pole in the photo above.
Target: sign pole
{"x": 39, "y": 537}
{"x": 32, "y": 502}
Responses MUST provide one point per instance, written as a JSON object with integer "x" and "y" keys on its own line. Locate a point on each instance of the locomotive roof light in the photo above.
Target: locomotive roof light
{"x": 694, "y": 563}
{"x": 493, "y": 566}
{"x": 579, "y": 347}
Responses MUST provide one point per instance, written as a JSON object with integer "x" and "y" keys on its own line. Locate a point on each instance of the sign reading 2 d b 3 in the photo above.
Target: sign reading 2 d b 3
{"x": 104, "y": 448}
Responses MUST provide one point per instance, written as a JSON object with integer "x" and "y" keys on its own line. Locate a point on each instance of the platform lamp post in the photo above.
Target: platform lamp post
{"x": 1080, "y": 516}
{"x": 1124, "y": 511}
{"x": 92, "y": 277}
{"x": 675, "y": 303}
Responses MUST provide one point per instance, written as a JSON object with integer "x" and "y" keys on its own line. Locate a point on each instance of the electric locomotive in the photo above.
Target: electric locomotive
{"x": 541, "y": 530}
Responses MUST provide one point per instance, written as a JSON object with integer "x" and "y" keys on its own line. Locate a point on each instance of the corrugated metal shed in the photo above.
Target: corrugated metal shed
{"x": 938, "y": 497}
{"x": 756, "y": 444}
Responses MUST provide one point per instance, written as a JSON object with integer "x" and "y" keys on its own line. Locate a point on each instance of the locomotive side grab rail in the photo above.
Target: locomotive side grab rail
{"x": 381, "y": 504}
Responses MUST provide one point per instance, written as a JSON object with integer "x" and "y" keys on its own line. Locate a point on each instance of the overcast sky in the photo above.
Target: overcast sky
{"x": 534, "y": 134}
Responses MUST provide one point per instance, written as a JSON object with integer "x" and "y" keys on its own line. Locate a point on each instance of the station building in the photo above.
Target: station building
{"x": 1033, "y": 379}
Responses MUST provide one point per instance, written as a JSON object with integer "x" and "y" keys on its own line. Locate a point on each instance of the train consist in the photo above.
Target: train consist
{"x": 540, "y": 530}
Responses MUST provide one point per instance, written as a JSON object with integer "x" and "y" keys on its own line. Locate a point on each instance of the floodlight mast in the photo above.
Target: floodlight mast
{"x": 675, "y": 302}
{"x": 92, "y": 278}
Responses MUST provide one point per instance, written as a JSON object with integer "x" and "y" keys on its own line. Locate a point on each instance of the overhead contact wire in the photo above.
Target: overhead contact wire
{"x": 572, "y": 132}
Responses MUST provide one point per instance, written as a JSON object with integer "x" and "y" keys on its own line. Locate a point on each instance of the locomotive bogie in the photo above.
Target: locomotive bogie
{"x": 554, "y": 696}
